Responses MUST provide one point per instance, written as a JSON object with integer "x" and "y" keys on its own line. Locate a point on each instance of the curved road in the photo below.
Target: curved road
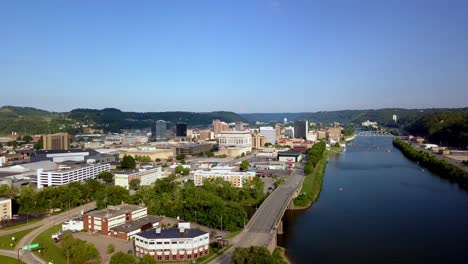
{"x": 46, "y": 223}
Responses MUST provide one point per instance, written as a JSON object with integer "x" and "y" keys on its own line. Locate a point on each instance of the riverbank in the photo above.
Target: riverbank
{"x": 312, "y": 184}
{"x": 347, "y": 139}
{"x": 440, "y": 167}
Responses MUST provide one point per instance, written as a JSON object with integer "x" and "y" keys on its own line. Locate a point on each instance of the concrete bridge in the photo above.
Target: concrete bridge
{"x": 266, "y": 223}
{"x": 374, "y": 134}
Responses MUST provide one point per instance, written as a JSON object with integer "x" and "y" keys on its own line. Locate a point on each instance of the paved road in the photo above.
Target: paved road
{"x": 262, "y": 226}
{"x": 44, "y": 224}
{"x": 456, "y": 163}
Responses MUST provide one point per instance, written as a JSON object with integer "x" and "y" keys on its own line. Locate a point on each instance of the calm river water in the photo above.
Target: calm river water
{"x": 378, "y": 207}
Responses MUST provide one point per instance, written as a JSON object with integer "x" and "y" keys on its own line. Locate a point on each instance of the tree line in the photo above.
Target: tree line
{"x": 257, "y": 255}
{"x": 313, "y": 156}
{"x": 438, "y": 166}
{"x": 217, "y": 204}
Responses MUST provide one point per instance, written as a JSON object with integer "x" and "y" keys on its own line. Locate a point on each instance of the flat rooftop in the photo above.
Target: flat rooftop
{"x": 172, "y": 233}
{"x": 113, "y": 211}
{"x": 289, "y": 153}
{"x": 137, "y": 224}
{"x": 66, "y": 167}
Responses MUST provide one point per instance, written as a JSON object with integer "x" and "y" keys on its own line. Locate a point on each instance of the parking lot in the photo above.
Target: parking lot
{"x": 101, "y": 242}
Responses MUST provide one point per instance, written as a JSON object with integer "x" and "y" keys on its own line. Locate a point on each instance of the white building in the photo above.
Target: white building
{"x": 369, "y": 124}
{"x": 75, "y": 224}
{"x": 173, "y": 244}
{"x": 5, "y": 208}
{"x": 269, "y": 133}
{"x": 289, "y": 131}
{"x": 236, "y": 178}
{"x": 65, "y": 174}
{"x": 146, "y": 177}
{"x": 238, "y": 139}
{"x": 311, "y": 136}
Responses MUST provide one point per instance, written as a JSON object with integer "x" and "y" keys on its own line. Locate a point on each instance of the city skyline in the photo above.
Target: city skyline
{"x": 210, "y": 56}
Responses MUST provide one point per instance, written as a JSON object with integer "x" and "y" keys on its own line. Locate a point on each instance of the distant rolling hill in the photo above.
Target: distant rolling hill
{"x": 28, "y": 120}
{"x": 382, "y": 116}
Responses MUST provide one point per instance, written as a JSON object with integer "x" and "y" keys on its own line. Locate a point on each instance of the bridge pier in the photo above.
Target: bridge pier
{"x": 279, "y": 230}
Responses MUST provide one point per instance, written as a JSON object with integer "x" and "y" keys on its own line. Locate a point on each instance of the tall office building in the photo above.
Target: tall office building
{"x": 301, "y": 129}
{"x": 219, "y": 126}
{"x": 59, "y": 141}
{"x": 278, "y": 132}
{"x": 159, "y": 131}
{"x": 269, "y": 133}
{"x": 181, "y": 130}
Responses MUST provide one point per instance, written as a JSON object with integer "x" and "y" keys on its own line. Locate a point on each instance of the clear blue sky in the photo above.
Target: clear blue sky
{"x": 243, "y": 56}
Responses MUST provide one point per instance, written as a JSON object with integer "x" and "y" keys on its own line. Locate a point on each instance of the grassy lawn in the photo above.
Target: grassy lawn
{"x": 312, "y": 185}
{"x": 50, "y": 252}
{"x": 19, "y": 225}
{"x": 8, "y": 260}
{"x": 7, "y": 243}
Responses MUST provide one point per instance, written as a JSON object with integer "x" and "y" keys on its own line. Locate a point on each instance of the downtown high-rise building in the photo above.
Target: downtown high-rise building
{"x": 181, "y": 130}
{"x": 301, "y": 129}
{"x": 159, "y": 131}
{"x": 59, "y": 141}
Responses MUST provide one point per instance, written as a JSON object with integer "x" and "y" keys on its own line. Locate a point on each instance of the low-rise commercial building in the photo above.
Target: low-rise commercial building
{"x": 146, "y": 176}
{"x": 193, "y": 148}
{"x": 66, "y": 174}
{"x": 290, "y": 156}
{"x": 152, "y": 152}
{"x": 236, "y": 178}
{"x": 134, "y": 140}
{"x": 128, "y": 230}
{"x": 5, "y": 208}
{"x": 173, "y": 244}
{"x": 103, "y": 220}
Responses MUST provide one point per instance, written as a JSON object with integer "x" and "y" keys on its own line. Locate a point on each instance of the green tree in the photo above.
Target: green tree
{"x": 27, "y": 200}
{"x": 180, "y": 156}
{"x": 79, "y": 251}
{"x": 116, "y": 195}
{"x": 27, "y": 139}
{"x": 122, "y": 258}
{"x": 13, "y": 143}
{"x": 110, "y": 249}
{"x": 179, "y": 169}
{"x": 39, "y": 144}
{"x": 135, "y": 184}
{"x": 127, "y": 163}
{"x": 257, "y": 255}
{"x": 8, "y": 190}
{"x": 106, "y": 176}
{"x": 186, "y": 171}
{"x": 157, "y": 160}
{"x": 244, "y": 165}
{"x": 147, "y": 259}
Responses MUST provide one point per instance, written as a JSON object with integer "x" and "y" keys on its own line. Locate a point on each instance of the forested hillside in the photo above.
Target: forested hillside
{"x": 27, "y": 120}
{"x": 449, "y": 128}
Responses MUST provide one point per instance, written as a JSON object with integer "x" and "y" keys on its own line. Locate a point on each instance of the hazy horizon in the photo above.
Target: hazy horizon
{"x": 264, "y": 56}
{"x": 283, "y": 112}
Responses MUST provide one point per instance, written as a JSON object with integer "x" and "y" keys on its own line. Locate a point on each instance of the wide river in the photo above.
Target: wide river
{"x": 376, "y": 206}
